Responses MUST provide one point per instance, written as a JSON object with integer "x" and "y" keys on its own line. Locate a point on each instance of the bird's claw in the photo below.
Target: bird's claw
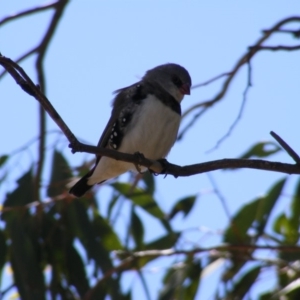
{"x": 164, "y": 163}
{"x": 140, "y": 156}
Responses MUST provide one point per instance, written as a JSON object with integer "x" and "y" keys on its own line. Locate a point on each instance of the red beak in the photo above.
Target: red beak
{"x": 185, "y": 89}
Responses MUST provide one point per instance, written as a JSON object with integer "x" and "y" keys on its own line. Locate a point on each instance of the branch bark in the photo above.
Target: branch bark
{"x": 155, "y": 166}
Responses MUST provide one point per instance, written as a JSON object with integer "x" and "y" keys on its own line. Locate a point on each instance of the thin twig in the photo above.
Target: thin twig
{"x": 205, "y": 105}
{"x": 286, "y": 147}
{"x": 21, "y": 58}
{"x": 295, "y": 33}
{"x": 219, "y": 195}
{"x": 221, "y": 248}
{"x": 37, "y": 204}
{"x": 239, "y": 116}
{"x": 28, "y": 12}
{"x": 275, "y": 48}
{"x": 132, "y": 257}
{"x": 210, "y": 80}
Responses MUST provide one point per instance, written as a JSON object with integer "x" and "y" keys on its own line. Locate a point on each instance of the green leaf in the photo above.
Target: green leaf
{"x": 76, "y": 270}
{"x": 142, "y": 199}
{"x": 281, "y": 224}
{"x": 266, "y": 205}
{"x": 295, "y": 208}
{"x": 262, "y": 149}
{"x": 266, "y": 296}
{"x": 139, "y": 197}
{"x": 149, "y": 181}
{"x": 137, "y": 229}
{"x": 244, "y": 284}
{"x": 21, "y": 196}
{"x": 253, "y": 215}
{"x": 182, "y": 282}
{"x": 285, "y": 227}
{"x": 193, "y": 273}
{"x": 3, "y": 159}
{"x": 184, "y": 205}
{"x": 165, "y": 242}
{"x": 112, "y": 203}
{"x": 236, "y": 233}
{"x": 95, "y": 233}
{"x": 288, "y": 227}
{"x": 173, "y": 284}
{"x": 3, "y": 251}
{"x": 60, "y": 175}
{"x": 105, "y": 231}
{"x": 28, "y": 274}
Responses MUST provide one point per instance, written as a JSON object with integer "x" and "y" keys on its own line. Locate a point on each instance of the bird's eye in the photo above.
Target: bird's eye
{"x": 177, "y": 81}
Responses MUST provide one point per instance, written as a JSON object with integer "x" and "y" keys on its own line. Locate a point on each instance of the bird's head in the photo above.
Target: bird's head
{"x": 173, "y": 78}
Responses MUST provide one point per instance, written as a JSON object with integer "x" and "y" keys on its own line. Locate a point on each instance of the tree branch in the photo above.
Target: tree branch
{"x": 203, "y": 106}
{"x": 132, "y": 257}
{"x": 41, "y": 50}
{"x": 167, "y": 168}
{"x": 28, "y": 12}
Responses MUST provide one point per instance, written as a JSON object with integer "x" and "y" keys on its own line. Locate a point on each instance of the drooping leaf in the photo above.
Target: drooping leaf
{"x": 76, "y": 270}
{"x": 288, "y": 226}
{"x": 266, "y": 296}
{"x": 106, "y": 233}
{"x": 165, "y": 242}
{"x": 3, "y": 252}
{"x": 95, "y": 233}
{"x": 266, "y": 205}
{"x": 60, "y": 175}
{"x": 149, "y": 181}
{"x": 142, "y": 199}
{"x": 3, "y": 159}
{"x": 236, "y": 233}
{"x": 193, "y": 273}
{"x": 173, "y": 281}
{"x": 184, "y": 205}
{"x": 21, "y": 196}
{"x": 261, "y": 149}
{"x": 139, "y": 197}
{"x": 182, "y": 282}
{"x": 295, "y": 210}
{"x": 281, "y": 224}
{"x": 112, "y": 204}
{"x": 290, "y": 236}
{"x": 28, "y": 274}
{"x": 245, "y": 283}
{"x": 137, "y": 229}
{"x": 253, "y": 215}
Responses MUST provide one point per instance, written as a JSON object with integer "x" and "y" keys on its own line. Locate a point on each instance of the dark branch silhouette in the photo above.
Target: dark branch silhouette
{"x": 155, "y": 166}
{"x": 203, "y": 106}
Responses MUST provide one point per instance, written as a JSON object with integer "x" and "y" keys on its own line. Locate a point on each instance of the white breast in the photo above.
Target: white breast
{"x": 152, "y": 131}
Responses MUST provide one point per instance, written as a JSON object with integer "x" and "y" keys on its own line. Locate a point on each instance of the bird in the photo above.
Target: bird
{"x": 145, "y": 118}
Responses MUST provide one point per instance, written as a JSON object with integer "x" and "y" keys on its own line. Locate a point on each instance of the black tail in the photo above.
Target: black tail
{"x": 81, "y": 186}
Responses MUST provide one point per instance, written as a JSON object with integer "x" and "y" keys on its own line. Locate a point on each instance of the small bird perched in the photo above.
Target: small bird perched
{"x": 145, "y": 118}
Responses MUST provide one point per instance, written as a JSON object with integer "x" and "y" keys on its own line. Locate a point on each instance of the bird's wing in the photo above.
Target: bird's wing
{"x": 124, "y": 100}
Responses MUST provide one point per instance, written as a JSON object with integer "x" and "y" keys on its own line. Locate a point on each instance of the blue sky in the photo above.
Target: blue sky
{"x": 101, "y": 46}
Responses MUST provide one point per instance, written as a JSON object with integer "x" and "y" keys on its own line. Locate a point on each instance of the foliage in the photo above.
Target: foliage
{"x": 42, "y": 241}
{"x": 60, "y": 247}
